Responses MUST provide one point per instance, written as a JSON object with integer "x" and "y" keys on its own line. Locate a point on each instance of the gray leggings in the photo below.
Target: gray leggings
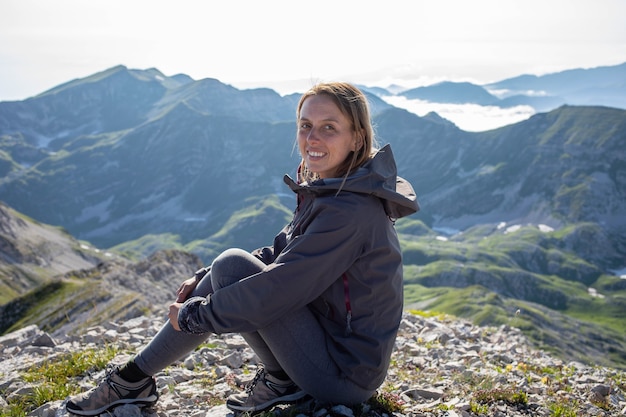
{"x": 296, "y": 343}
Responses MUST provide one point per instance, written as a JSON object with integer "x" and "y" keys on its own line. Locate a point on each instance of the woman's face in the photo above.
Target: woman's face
{"x": 325, "y": 135}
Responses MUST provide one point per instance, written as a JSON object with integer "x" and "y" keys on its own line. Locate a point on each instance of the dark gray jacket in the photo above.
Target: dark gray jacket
{"x": 340, "y": 257}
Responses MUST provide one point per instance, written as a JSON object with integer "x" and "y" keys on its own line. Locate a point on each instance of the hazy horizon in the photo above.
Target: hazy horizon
{"x": 247, "y": 43}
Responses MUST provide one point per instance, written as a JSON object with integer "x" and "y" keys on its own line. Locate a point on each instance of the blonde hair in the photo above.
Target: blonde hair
{"x": 354, "y": 105}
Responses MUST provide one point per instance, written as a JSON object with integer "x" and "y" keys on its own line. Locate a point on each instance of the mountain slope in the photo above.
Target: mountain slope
{"x": 49, "y": 279}
{"x": 32, "y": 253}
{"x": 556, "y": 168}
{"x": 115, "y": 290}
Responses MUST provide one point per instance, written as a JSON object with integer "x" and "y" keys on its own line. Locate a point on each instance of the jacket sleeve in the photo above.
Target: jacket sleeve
{"x": 308, "y": 265}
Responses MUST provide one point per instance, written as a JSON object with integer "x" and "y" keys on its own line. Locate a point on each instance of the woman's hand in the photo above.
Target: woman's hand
{"x": 173, "y": 315}
{"x": 185, "y": 289}
{"x": 183, "y": 292}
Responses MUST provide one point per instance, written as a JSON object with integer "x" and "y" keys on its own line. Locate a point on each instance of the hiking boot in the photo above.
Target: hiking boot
{"x": 264, "y": 392}
{"x": 111, "y": 392}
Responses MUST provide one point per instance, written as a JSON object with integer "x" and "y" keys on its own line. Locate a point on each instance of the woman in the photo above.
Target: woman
{"x": 320, "y": 308}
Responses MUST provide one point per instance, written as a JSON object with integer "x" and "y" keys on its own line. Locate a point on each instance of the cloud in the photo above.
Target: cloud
{"x": 469, "y": 117}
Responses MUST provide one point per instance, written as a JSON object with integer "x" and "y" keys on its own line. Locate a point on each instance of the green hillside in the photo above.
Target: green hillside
{"x": 524, "y": 278}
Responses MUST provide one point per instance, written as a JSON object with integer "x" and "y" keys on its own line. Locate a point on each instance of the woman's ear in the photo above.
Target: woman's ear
{"x": 358, "y": 142}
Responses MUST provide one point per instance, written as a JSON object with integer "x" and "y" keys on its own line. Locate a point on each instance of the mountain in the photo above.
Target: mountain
{"x": 452, "y": 92}
{"x": 526, "y": 217}
{"x": 601, "y": 86}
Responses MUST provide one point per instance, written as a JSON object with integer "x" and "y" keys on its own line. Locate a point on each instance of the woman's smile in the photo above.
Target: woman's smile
{"x": 315, "y": 155}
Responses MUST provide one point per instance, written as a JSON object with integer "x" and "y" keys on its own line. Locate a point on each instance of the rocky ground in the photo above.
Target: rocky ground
{"x": 441, "y": 367}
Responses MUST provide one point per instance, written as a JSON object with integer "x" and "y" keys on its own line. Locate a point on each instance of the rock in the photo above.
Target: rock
{"x": 602, "y": 390}
{"x": 21, "y": 337}
{"x": 342, "y": 410}
{"x": 45, "y": 340}
{"x": 429, "y": 394}
{"x": 219, "y": 411}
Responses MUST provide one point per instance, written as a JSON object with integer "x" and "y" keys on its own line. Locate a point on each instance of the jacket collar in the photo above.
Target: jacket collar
{"x": 378, "y": 177}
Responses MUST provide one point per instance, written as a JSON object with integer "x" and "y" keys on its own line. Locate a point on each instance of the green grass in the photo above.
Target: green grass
{"x": 49, "y": 379}
{"x": 146, "y": 245}
{"x": 53, "y": 305}
{"x": 607, "y": 313}
{"x": 508, "y": 395}
{"x": 257, "y": 209}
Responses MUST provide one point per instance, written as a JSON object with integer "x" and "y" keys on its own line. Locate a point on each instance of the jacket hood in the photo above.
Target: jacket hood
{"x": 378, "y": 177}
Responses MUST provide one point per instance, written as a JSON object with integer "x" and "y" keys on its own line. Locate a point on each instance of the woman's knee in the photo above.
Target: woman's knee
{"x": 233, "y": 265}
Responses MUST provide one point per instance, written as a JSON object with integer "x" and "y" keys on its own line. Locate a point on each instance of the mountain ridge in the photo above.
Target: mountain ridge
{"x": 164, "y": 136}
{"x": 603, "y": 86}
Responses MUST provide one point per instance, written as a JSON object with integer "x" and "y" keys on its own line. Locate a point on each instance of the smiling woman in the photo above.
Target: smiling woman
{"x": 339, "y": 261}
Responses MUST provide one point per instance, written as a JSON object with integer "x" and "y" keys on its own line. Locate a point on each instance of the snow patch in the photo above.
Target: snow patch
{"x": 594, "y": 293}
{"x": 545, "y": 228}
{"x": 512, "y": 229}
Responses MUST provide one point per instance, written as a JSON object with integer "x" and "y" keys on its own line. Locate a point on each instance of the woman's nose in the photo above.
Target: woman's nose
{"x": 312, "y": 136}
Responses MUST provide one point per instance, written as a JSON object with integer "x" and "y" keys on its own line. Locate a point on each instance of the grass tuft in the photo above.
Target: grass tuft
{"x": 507, "y": 395}
{"x": 49, "y": 379}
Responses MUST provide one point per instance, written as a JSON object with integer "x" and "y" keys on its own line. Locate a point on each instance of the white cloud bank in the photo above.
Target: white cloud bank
{"x": 469, "y": 117}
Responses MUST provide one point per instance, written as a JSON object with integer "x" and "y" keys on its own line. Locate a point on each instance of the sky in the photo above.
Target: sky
{"x": 288, "y": 45}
